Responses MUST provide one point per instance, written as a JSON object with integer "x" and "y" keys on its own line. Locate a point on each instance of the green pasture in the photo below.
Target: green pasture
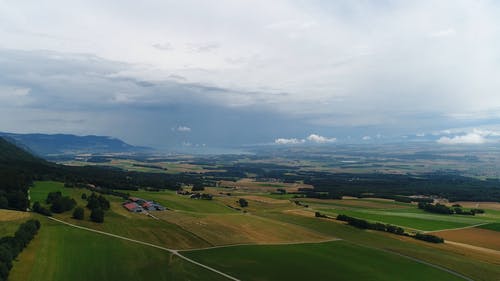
{"x": 177, "y": 202}
{"x": 491, "y": 226}
{"x": 440, "y": 255}
{"x": 338, "y": 260}
{"x": 412, "y": 218}
{"x": 60, "y": 252}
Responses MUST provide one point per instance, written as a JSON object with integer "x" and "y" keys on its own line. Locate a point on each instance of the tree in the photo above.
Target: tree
{"x": 4, "y": 271}
{"x": 4, "y": 203}
{"x": 243, "y": 202}
{"x": 78, "y": 213}
{"x": 52, "y": 196}
{"x": 198, "y": 187}
{"x": 6, "y": 255}
{"x": 62, "y": 204}
{"x": 97, "y": 215}
{"x": 38, "y": 208}
{"x": 84, "y": 196}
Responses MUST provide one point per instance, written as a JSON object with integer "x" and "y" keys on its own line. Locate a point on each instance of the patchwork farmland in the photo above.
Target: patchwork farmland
{"x": 271, "y": 233}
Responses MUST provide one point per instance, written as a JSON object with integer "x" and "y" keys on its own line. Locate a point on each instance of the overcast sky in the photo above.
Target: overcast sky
{"x": 219, "y": 73}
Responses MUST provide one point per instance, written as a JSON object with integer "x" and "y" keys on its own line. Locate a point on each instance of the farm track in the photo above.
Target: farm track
{"x": 261, "y": 244}
{"x": 472, "y": 247}
{"x": 465, "y": 227}
{"x": 177, "y": 252}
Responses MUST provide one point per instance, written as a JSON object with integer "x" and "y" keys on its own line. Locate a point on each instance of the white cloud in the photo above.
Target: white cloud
{"x": 366, "y": 138}
{"x": 388, "y": 64}
{"x": 288, "y": 141}
{"x": 470, "y": 138}
{"x": 183, "y": 129}
{"x": 320, "y": 139}
{"x": 443, "y": 33}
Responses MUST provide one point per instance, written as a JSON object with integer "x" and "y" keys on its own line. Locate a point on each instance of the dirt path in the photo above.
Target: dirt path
{"x": 172, "y": 251}
{"x": 465, "y": 227}
{"x": 261, "y": 244}
{"x": 472, "y": 247}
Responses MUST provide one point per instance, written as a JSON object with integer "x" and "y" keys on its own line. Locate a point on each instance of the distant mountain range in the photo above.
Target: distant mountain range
{"x": 57, "y": 144}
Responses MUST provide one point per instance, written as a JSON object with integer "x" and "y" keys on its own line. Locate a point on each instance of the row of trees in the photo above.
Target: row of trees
{"x": 11, "y": 246}
{"x": 359, "y": 223}
{"x": 429, "y": 238}
{"x": 363, "y": 224}
{"x": 443, "y": 209}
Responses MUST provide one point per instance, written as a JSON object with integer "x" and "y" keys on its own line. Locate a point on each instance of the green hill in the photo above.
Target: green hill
{"x": 18, "y": 168}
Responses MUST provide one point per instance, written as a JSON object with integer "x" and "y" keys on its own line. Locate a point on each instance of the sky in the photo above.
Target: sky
{"x": 230, "y": 73}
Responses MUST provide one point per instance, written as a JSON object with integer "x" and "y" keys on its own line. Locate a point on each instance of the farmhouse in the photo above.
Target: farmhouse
{"x": 138, "y": 205}
{"x": 133, "y": 207}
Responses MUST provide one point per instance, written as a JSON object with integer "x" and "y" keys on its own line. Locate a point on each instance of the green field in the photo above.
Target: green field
{"x": 411, "y": 218}
{"x": 40, "y": 190}
{"x": 491, "y": 226}
{"x": 60, "y": 252}
{"x": 192, "y": 224}
{"x": 337, "y": 260}
{"x": 478, "y": 267}
{"x": 174, "y": 201}
{"x": 121, "y": 222}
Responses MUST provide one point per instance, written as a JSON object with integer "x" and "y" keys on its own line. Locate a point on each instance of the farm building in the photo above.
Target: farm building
{"x": 138, "y": 205}
{"x": 133, "y": 207}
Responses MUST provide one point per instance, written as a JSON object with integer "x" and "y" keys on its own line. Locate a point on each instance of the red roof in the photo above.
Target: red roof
{"x": 146, "y": 204}
{"x": 133, "y": 198}
{"x": 130, "y": 206}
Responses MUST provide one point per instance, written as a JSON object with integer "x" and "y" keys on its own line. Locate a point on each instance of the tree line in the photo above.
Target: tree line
{"x": 443, "y": 209}
{"x": 363, "y": 224}
{"x": 11, "y": 246}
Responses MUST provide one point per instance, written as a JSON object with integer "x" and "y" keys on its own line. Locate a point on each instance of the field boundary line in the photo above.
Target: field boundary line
{"x": 459, "y": 228}
{"x": 474, "y": 247}
{"x": 261, "y": 244}
{"x": 172, "y": 251}
{"x": 442, "y": 268}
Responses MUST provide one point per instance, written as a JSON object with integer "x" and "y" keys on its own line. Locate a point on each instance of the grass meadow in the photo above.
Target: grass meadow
{"x": 338, "y": 260}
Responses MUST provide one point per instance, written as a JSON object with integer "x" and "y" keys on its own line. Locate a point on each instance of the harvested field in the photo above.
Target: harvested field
{"x": 265, "y": 199}
{"x": 219, "y": 229}
{"x": 473, "y": 236}
{"x": 494, "y": 253}
{"x": 480, "y": 205}
{"x": 250, "y": 185}
{"x": 300, "y": 212}
{"x": 359, "y": 203}
{"x": 8, "y": 215}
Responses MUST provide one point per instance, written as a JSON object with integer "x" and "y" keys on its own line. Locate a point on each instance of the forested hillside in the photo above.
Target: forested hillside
{"x": 19, "y": 168}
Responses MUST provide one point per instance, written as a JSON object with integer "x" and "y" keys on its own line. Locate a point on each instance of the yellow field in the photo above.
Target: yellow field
{"x": 224, "y": 229}
{"x": 250, "y": 185}
{"x": 473, "y": 236}
{"x": 480, "y": 205}
{"x": 8, "y": 215}
{"x": 368, "y": 203}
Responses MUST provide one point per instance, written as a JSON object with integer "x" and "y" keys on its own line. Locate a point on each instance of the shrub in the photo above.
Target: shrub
{"x": 243, "y": 202}
{"x": 97, "y": 215}
{"x": 37, "y": 208}
{"x": 429, "y": 238}
{"x": 78, "y": 213}
{"x": 62, "y": 204}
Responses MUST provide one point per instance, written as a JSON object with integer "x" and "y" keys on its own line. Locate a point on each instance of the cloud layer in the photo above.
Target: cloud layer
{"x": 356, "y": 68}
